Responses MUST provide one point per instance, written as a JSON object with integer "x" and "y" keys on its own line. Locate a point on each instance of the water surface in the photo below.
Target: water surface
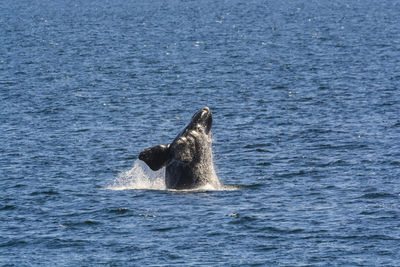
{"x": 305, "y": 98}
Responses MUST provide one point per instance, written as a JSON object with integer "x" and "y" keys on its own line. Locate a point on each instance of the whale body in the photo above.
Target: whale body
{"x": 188, "y": 158}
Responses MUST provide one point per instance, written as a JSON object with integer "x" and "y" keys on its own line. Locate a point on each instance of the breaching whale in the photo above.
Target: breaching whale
{"x": 188, "y": 158}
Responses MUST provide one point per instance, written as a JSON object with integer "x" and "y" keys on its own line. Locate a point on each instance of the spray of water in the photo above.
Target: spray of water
{"x": 140, "y": 176}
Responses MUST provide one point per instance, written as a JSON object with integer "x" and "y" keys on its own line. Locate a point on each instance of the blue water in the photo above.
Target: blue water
{"x": 306, "y": 105}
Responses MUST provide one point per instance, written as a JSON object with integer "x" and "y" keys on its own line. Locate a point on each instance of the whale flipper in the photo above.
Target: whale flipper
{"x": 155, "y": 157}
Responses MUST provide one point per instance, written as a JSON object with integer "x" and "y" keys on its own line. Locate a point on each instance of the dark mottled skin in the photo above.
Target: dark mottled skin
{"x": 188, "y": 159}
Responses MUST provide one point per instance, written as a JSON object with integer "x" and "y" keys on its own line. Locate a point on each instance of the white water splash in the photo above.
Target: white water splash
{"x": 140, "y": 176}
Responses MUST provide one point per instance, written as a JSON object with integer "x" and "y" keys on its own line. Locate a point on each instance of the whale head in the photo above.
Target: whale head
{"x": 194, "y": 142}
{"x": 201, "y": 122}
{"x": 188, "y": 158}
{"x": 188, "y": 146}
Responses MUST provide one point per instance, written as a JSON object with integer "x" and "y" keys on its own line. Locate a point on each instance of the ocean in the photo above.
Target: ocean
{"x": 306, "y": 134}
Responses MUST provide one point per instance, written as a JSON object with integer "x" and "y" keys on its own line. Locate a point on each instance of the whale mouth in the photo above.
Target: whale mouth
{"x": 204, "y": 118}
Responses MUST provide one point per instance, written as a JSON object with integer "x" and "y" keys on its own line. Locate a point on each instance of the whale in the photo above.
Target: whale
{"x": 188, "y": 159}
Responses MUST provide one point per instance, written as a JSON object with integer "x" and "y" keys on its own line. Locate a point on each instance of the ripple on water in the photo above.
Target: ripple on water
{"x": 377, "y": 195}
{"x": 8, "y": 207}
